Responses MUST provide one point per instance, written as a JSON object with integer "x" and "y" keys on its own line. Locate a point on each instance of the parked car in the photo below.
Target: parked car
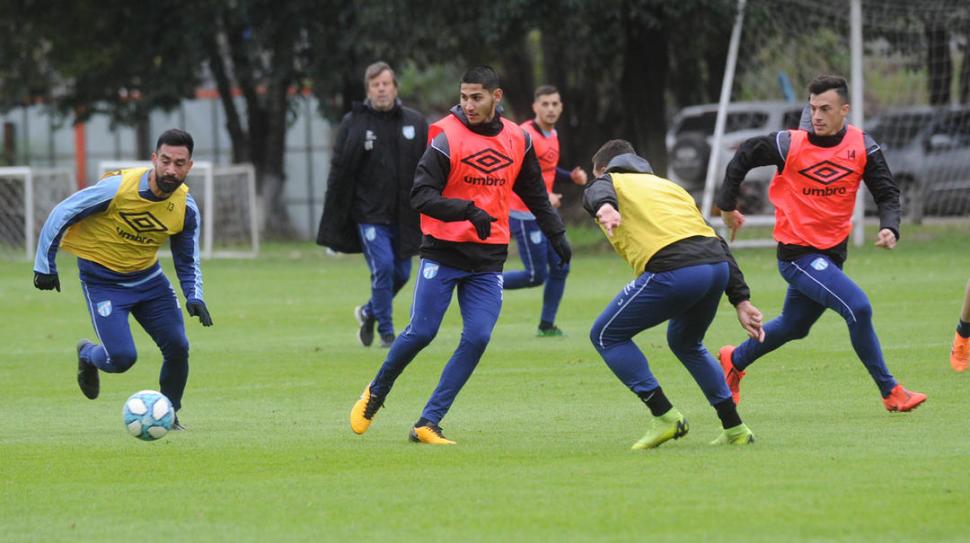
{"x": 689, "y": 145}
{"x": 928, "y": 151}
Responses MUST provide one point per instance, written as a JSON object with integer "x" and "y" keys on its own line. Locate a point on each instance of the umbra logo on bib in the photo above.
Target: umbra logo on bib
{"x": 142, "y": 222}
{"x": 487, "y": 161}
{"x": 825, "y": 172}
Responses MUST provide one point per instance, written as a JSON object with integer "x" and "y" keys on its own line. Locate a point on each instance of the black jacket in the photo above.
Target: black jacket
{"x": 772, "y": 150}
{"x": 686, "y": 252}
{"x": 430, "y": 180}
{"x": 371, "y": 173}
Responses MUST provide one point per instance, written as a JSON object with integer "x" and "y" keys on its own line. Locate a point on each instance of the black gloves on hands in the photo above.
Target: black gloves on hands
{"x": 197, "y": 308}
{"x": 561, "y": 246}
{"x": 481, "y": 220}
{"x": 47, "y": 281}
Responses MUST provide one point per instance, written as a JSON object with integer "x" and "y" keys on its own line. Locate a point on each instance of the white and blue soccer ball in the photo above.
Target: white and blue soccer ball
{"x": 148, "y": 415}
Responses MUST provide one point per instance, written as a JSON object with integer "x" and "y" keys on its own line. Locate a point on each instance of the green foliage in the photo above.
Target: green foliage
{"x": 543, "y": 426}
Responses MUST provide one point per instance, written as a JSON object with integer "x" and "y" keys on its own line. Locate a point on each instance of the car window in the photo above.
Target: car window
{"x": 791, "y": 119}
{"x": 741, "y": 120}
{"x": 898, "y": 130}
{"x": 956, "y": 125}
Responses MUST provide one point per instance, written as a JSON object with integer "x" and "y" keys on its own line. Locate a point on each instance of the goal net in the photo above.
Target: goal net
{"x": 226, "y": 196}
{"x": 27, "y": 196}
{"x": 909, "y": 77}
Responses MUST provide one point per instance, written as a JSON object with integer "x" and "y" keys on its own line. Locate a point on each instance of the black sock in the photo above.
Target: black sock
{"x": 422, "y": 422}
{"x": 657, "y": 401}
{"x": 728, "y": 413}
{"x": 963, "y": 328}
{"x": 546, "y": 325}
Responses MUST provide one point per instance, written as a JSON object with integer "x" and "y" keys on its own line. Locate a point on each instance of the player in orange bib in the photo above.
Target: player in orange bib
{"x": 814, "y": 193}
{"x": 538, "y": 258}
{"x": 475, "y": 160}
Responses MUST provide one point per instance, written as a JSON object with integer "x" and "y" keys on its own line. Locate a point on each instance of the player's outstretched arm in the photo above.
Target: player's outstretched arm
{"x": 91, "y": 200}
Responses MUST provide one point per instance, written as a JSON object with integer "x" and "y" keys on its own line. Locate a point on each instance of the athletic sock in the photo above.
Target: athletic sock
{"x": 422, "y": 422}
{"x": 728, "y": 413}
{"x": 546, "y": 325}
{"x": 963, "y": 329}
{"x": 656, "y": 401}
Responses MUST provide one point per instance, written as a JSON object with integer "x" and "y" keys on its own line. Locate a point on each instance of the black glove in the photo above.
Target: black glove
{"x": 197, "y": 308}
{"x": 482, "y": 221}
{"x": 561, "y": 246}
{"x": 47, "y": 281}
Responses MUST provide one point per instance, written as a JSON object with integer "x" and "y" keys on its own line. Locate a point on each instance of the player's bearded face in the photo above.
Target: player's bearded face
{"x": 168, "y": 183}
{"x": 172, "y": 165}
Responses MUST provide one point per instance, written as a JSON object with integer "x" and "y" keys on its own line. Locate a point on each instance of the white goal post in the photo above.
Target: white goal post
{"x": 227, "y": 201}
{"x": 27, "y": 196}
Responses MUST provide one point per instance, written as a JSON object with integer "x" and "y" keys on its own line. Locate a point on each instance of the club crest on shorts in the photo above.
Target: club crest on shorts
{"x": 820, "y": 264}
{"x": 408, "y": 131}
{"x": 536, "y": 237}
{"x": 104, "y": 308}
{"x": 370, "y": 233}
{"x": 429, "y": 270}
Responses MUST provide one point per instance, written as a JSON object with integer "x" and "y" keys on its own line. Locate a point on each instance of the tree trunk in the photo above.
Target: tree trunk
{"x": 143, "y": 136}
{"x": 518, "y": 78}
{"x": 965, "y": 73}
{"x": 938, "y": 64}
{"x": 642, "y": 85}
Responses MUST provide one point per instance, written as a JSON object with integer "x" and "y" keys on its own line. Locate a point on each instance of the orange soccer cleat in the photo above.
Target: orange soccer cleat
{"x": 901, "y": 399}
{"x": 732, "y": 375}
{"x": 960, "y": 353}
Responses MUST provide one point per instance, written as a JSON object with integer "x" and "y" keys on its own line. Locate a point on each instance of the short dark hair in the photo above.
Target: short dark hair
{"x": 377, "y": 69}
{"x": 610, "y": 150}
{"x": 544, "y": 90}
{"x": 483, "y": 75}
{"x": 825, "y": 82}
{"x": 175, "y": 138}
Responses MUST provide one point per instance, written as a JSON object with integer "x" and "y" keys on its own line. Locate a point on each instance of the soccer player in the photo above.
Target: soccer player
{"x": 683, "y": 267}
{"x": 115, "y": 229}
{"x": 461, "y": 189}
{"x": 814, "y": 193}
{"x": 960, "y": 353}
{"x": 367, "y": 207}
{"x": 540, "y": 261}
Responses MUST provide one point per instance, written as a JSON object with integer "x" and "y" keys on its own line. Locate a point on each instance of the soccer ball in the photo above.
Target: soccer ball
{"x": 148, "y": 415}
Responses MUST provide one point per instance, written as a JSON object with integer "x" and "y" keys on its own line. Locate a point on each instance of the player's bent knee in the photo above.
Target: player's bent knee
{"x": 121, "y": 361}
{"x": 420, "y": 337}
{"x": 861, "y": 312}
{"x": 476, "y": 338}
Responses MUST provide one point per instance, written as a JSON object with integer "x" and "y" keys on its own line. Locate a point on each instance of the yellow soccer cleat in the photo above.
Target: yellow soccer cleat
{"x": 364, "y": 410}
{"x": 735, "y": 435}
{"x": 670, "y": 425}
{"x": 430, "y": 434}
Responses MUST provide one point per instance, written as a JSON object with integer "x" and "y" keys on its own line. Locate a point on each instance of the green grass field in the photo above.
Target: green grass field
{"x": 543, "y": 427}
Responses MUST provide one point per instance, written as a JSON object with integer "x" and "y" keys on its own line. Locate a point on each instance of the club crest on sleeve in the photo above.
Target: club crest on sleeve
{"x": 536, "y": 237}
{"x": 429, "y": 270}
{"x": 104, "y": 308}
{"x": 820, "y": 264}
{"x": 408, "y": 131}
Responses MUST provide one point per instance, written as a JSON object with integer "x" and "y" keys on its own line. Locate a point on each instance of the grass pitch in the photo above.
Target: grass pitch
{"x": 543, "y": 427}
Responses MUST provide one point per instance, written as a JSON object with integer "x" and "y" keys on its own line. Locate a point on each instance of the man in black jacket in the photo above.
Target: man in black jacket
{"x": 367, "y": 208}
